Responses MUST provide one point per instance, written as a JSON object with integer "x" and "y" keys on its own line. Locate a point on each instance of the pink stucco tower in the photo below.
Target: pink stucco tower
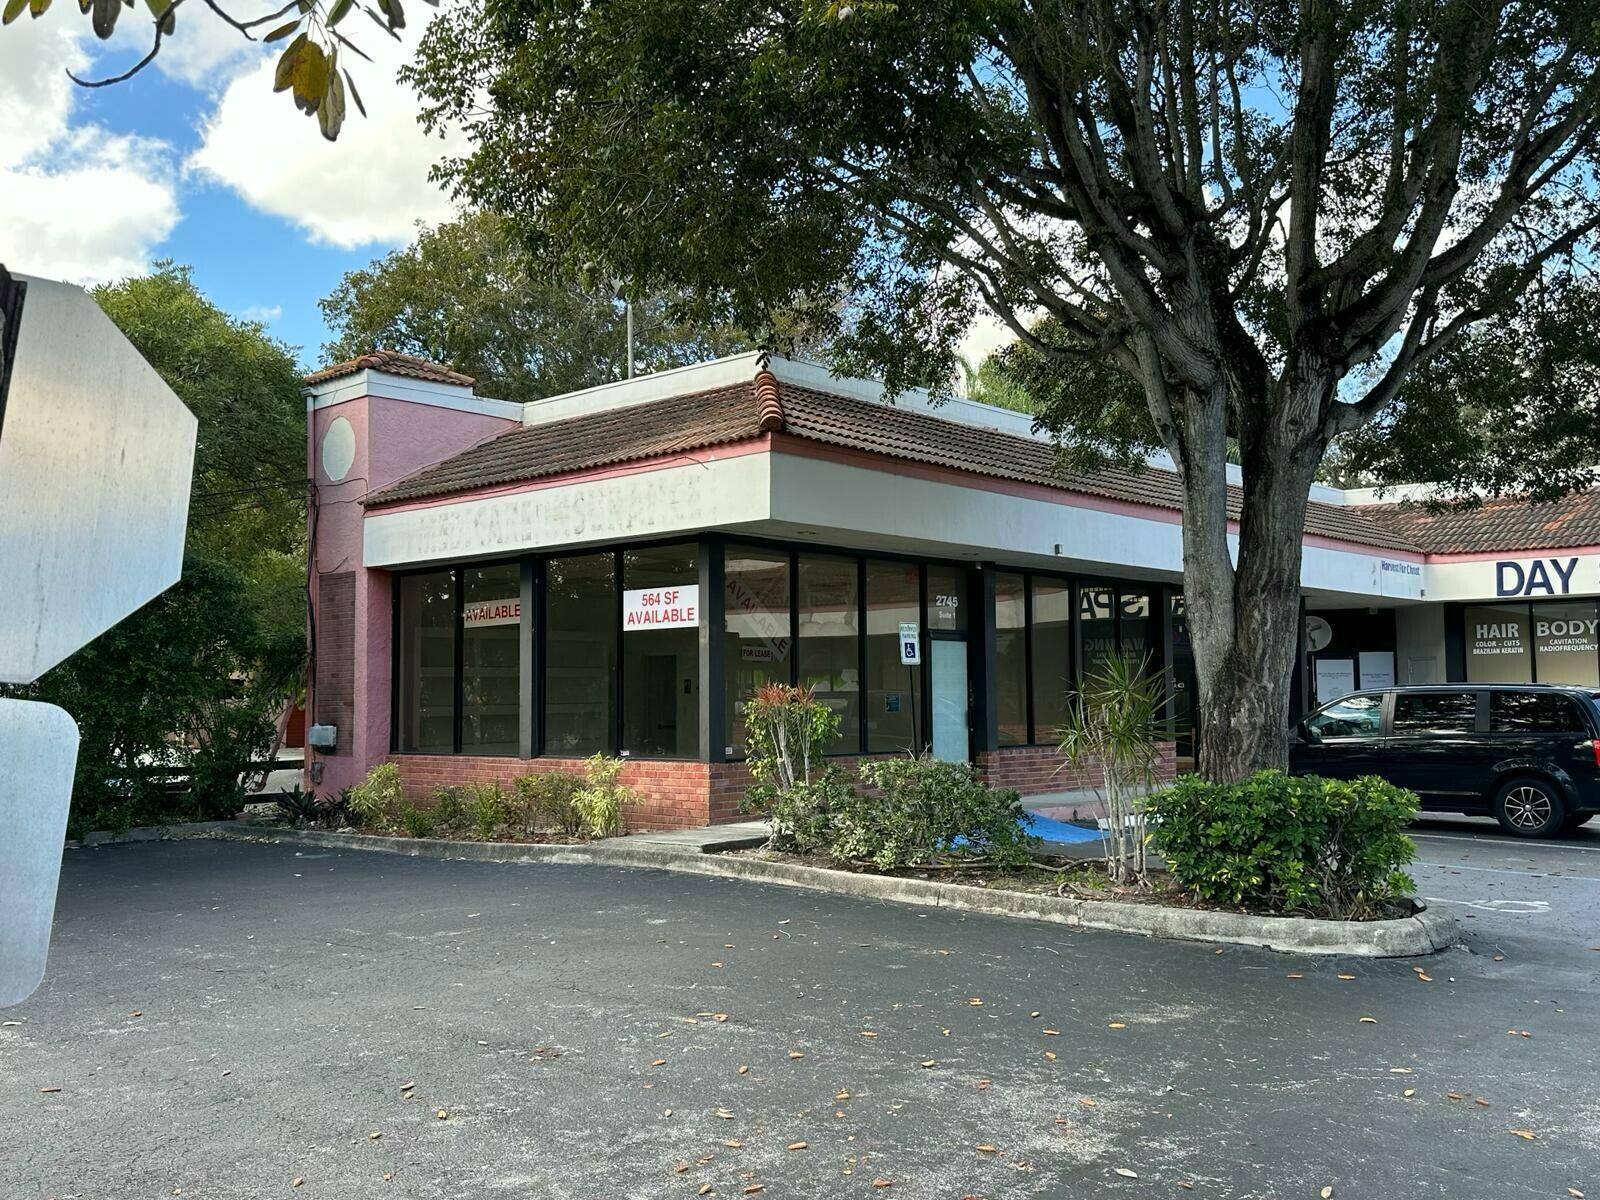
{"x": 370, "y": 421}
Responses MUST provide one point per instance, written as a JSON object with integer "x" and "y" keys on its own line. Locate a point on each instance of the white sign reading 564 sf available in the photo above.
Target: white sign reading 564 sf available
{"x": 661, "y": 608}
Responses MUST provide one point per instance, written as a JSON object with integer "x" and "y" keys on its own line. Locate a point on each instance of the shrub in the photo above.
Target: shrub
{"x": 298, "y": 805}
{"x": 449, "y": 808}
{"x": 1288, "y": 844}
{"x": 333, "y": 809}
{"x": 418, "y": 822}
{"x": 548, "y": 801}
{"x": 486, "y": 805}
{"x": 377, "y": 798}
{"x": 599, "y": 801}
{"x": 802, "y": 814}
{"x": 928, "y": 811}
{"x": 788, "y": 727}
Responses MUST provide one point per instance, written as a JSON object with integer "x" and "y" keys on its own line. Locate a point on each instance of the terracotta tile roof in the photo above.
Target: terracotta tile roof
{"x": 392, "y": 362}
{"x": 745, "y": 410}
{"x": 1497, "y": 525}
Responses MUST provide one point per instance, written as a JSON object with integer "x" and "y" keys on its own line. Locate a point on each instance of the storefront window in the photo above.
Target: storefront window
{"x": 427, "y": 663}
{"x": 894, "y": 688}
{"x": 1498, "y": 649}
{"x": 1097, "y": 628}
{"x": 1052, "y": 657}
{"x": 1010, "y": 658}
{"x": 661, "y": 652}
{"x": 1564, "y": 644}
{"x": 830, "y": 641}
{"x": 580, "y": 653}
{"x": 1139, "y": 642}
{"x": 491, "y": 655}
{"x": 756, "y": 623}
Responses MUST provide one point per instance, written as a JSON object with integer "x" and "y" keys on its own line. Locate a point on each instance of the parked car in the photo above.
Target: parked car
{"x": 1527, "y": 754}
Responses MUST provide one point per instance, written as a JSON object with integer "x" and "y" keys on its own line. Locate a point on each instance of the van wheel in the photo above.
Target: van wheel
{"x": 1528, "y": 806}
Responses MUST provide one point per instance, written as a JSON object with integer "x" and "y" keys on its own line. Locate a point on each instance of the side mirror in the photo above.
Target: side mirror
{"x": 1307, "y": 733}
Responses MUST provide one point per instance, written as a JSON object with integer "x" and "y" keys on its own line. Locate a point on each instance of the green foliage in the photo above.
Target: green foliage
{"x": 298, "y": 805}
{"x": 549, "y": 800}
{"x": 449, "y": 807}
{"x": 187, "y": 688}
{"x": 486, "y": 805}
{"x": 801, "y": 815}
{"x": 928, "y": 811}
{"x": 599, "y": 801}
{"x": 1288, "y": 844}
{"x": 378, "y": 798}
{"x": 1115, "y": 725}
{"x": 469, "y": 293}
{"x": 417, "y": 822}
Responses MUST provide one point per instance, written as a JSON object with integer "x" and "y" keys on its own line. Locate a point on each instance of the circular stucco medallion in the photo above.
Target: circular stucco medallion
{"x": 338, "y": 449}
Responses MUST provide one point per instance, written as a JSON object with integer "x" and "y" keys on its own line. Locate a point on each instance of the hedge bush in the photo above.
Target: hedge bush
{"x": 920, "y": 811}
{"x": 1288, "y": 844}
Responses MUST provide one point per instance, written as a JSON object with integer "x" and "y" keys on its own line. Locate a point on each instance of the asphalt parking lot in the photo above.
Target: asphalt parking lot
{"x": 223, "y": 1019}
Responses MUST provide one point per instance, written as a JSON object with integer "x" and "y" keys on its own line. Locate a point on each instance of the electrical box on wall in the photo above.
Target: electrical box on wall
{"x": 322, "y": 737}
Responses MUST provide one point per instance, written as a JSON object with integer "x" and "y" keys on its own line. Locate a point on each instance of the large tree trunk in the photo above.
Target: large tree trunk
{"x": 1244, "y": 616}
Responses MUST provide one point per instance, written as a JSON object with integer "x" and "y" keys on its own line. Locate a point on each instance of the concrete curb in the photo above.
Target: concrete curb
{"x": 1426, "y": 932}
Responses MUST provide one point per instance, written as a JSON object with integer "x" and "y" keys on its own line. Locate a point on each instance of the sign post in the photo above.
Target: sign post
{"x": 96, "y": 455}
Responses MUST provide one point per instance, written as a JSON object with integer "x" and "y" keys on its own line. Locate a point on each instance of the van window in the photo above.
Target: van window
{"x": 1435, "y": 713}
{"x": 1353, "y": 716}
{"x": 1533, "y": 712}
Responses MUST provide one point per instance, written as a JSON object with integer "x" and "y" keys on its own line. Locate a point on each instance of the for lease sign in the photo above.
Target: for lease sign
{"x": 660, "y": 608}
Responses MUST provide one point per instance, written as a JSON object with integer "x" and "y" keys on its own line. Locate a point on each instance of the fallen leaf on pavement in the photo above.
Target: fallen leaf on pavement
{"x": 705, "y": 1190}
{"x": 1034, "y": 1013}
{"x": 719, "y": 1016}
{"x": 48, "y": 1090}
{"x": 799, "y": 1145}
{"x": 660, "y": 1062}
{"x": 1051, "y": 1032}
{"x": 842, "y": 1094}
{"x": 1294, "y": 975}
{"x": 1327, "y": 1192}
{"x": 1344, "y": 976}
{"x": 754, "y": 1188}
{"x": 1409, "y": 1092}
{"x": 868, "y": 1033}
{"x": 882, "y": 1183}
{"x": 1116, "y": 1025}
{"x": 733, "y": 1143}
{"x": 987, "y": 1149}
{"x": 928, "y": 1062}
{"x": 1480, "y": 1102}
{"x": 443, "y": 1114}
{"x": 982, "y": 1084}
{"x": 796, "y": 1054}
{"x": 1186, "y": 1185}
{"x": 1575, "y": 1194}
{"x": 1050, "y": 1055}
{"x": 975, "y": 1002}
{"x": 680, "y": 1167}
{"x": 1526, "y": 1135}
{"x": 725, "y": 1113}
{"x": 743, "y": 1070}
{"x": 1086, "y": 1102}
{"x": 297, "y": 1181}
{"x": 1369, "y": 1020}
{"x": 1127, "y": 1174}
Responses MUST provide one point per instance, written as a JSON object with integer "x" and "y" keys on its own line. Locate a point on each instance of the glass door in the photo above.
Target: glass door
{"x": 948, "y": 688}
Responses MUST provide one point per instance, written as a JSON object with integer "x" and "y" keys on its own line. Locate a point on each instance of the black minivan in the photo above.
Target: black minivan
{"x": 1528, "y": 754}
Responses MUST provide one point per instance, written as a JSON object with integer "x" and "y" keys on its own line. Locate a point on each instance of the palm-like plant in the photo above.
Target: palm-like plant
{"x": 1115, "y": 725}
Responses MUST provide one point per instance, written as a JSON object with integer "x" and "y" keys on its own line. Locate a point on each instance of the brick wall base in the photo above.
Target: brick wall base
{"x": 684, "y": 795}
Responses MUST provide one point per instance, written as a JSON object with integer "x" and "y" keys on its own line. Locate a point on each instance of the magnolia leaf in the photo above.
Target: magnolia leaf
{"x": 341, "y": 9}
{"x": 283, "y": 78}
{"x": 395, "y": 13}
{"x": 39, "y": 7}
{"x": 105, "y": 14}
{"x": 330, "y": 116}
{"x": 282, "y": 31}
{"x": 13, "y": 10}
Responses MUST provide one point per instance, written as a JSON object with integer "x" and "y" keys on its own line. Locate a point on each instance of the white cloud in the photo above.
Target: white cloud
{"x": 985, "y": 335}
{"x": 76, "y": 201}
{"x": 203, "y": 50}
{"x": 264, "y": 314}
{"x": 371, "y": 186}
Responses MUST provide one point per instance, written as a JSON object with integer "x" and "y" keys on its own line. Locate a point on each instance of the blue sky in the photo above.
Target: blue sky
{"x": 196, "y": 159}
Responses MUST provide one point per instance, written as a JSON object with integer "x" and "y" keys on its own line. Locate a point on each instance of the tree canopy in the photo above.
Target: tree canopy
{"x": 1265, "y": 216}
{"x": 470, "y": 293}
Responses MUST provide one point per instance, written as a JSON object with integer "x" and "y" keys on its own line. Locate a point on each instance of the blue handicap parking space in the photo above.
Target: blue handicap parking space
{"x": 1052, "y": 830}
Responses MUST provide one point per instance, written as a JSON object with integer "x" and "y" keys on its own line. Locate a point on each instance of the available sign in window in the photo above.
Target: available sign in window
{"x": 480, "y": 614}
{"x": 661, "y": 608}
